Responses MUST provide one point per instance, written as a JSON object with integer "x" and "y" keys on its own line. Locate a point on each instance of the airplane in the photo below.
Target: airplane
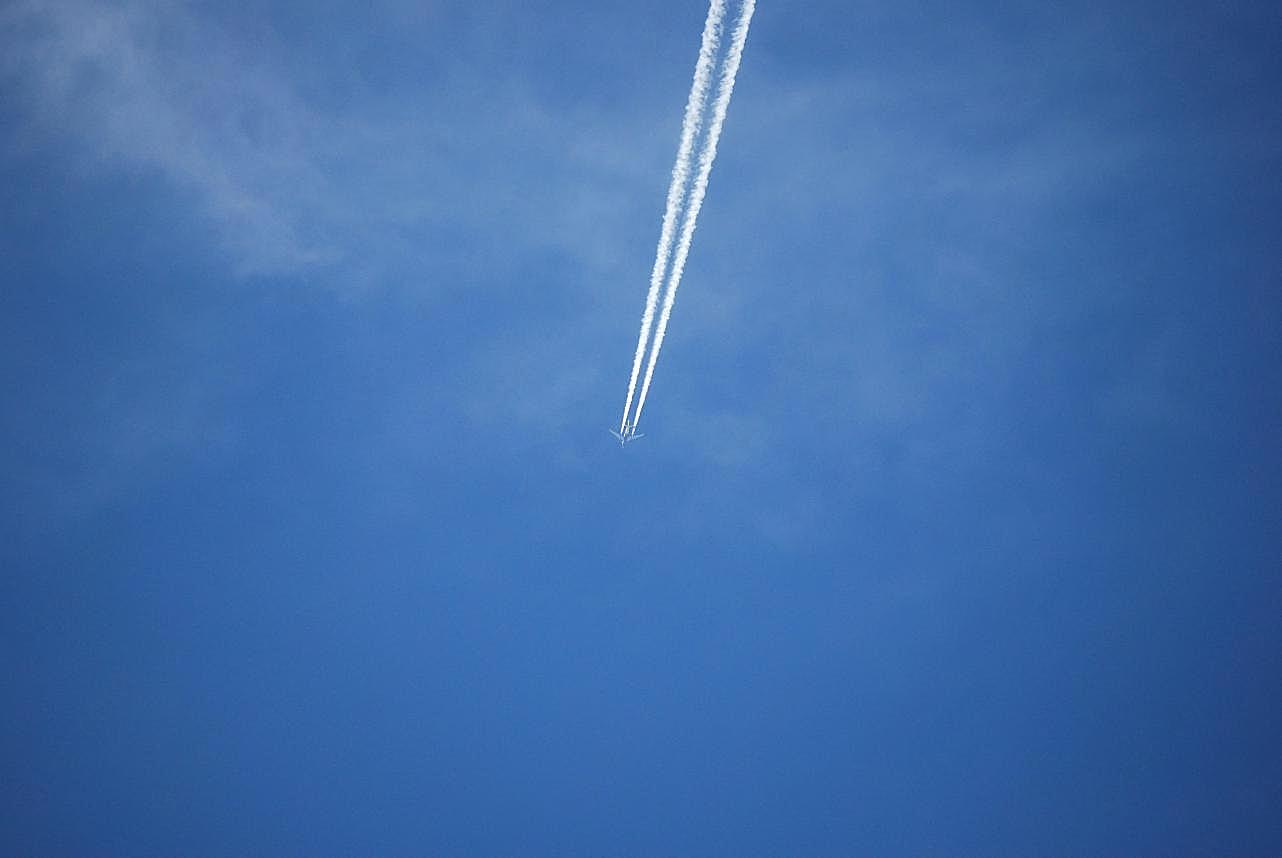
{"x": 629, "y": 433}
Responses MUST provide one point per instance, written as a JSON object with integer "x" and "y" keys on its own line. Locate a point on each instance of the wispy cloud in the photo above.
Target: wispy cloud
{"x": 147, "y": 88}
{"x": 293, "y": 183}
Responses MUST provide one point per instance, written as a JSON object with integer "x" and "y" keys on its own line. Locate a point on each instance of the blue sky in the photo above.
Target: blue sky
{"x": 955, "y": 529}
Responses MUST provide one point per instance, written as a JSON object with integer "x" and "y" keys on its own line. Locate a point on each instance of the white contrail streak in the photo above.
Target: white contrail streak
{"x": 706, "y": 157}
{"x": 690, "y": 124}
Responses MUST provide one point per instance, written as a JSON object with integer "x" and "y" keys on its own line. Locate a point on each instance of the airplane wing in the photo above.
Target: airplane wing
{"x": 629, "y": 434}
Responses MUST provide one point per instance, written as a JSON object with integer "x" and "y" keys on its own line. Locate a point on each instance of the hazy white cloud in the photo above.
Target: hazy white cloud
{"x": 291, "y": 184}
{"x": 146, "y": 88}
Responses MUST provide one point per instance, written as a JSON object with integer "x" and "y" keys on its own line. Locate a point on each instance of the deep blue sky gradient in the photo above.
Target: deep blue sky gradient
{"x": 956, "y": 526}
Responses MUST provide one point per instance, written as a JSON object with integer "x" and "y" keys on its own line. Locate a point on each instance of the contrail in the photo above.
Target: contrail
{"x": 690, "y": 124}
{"x": 706, "y": 157}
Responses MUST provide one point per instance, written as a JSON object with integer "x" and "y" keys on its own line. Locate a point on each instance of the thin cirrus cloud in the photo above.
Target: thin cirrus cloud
{"x": 289, "y": 184}
{"x": 125, "y": 82}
